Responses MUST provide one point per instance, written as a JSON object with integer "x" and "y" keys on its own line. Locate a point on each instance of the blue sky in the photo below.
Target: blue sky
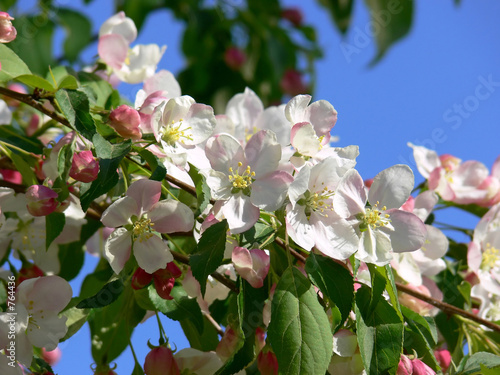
{"x": 438, "y": 87}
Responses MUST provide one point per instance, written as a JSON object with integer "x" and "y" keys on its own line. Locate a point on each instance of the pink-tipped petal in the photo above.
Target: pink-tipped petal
{"x": 113, "y": 50}
{"x": 171, "y": 216}
{"x": 117, "y": 249}
{"x": 119, "y": 212}
{"x": 409, "y": 231}
{"x": 145, "y": 192}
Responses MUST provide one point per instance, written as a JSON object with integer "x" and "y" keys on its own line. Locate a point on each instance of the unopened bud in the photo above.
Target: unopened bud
{"x": 7, "y": 31}
{"x": 141, "y": 279}
{"x": 234, "y": 58}
{"x": 161, "y": 361}
{"x": 41, "y": 200}
{"x": 84, "y": 166}
{"x": 126, "y": 120}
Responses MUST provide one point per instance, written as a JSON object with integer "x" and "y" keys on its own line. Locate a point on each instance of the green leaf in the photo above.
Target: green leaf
{"x": 76, "y": 318}
{"x": 76, "y": 108}
{"x": 64, "y": 164}
{"x": 78, "y": 32}
{"x": 110, "y": 156}
{"x": 54, "y": 225}
{"x": 334, "y": 281}
{"x": 137, "y": 369}
{"x": 68, "y": 82}
{"x": 209, "y": 253}
{"x": 207, "y": 341}
{"x": 33, "y": 44}
{"x": 472, "y": 364}
{"x": 340, "y": 10}
{"x": 250, "y": 305}
{"x": 181, "y": 307}
{"x": 12, "y": 65}
{"x": 379, "y": 331}
{"x": 101, "y": 89}
{"x": 259, "y": 235}
{"x": 388, "y": 283}
{"x": 392, "y": 21}
{"x": 299, "y": 332}
{"x": 111, "y": 327}
{"x": 29, "y": 177}
{"x": 34, "y": 81}
{"x": 15, "y": 137}
{"x": 107, "y": 295}
{"x": 202, "y": 190}
{"x": 157, "y": 167}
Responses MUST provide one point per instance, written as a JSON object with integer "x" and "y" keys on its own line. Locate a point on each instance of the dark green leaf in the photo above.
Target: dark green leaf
{"x": 12, "y": 65}
{"x": 472, "y": 364}
{"x": 111, "y": 327}
{"x": 334, "y": 281}
{"x": 299, "y": 332}
{"x": 209, "y": 253}
{"x": 54, "y": 225}
{"x": 34, "y": 42}
{"x": 107, "y": 295}
{"x": 202, "y": 189}
{"x": 392, "y": 21}
{"x": 110, "y": 158}
{"x": 78, "y": 32}
{"x": 14, "y": 137}
{"x": 259, "y": 235}
{"x": 157, "y": 167}
{"x": 181, "y": 307}
{"x": 71, "y": 258}
{"x": 205, "y": 342}
{"x": 76, "y": 108}
{"x": 379, "y": 331}
{"x": 22, "y": 166}
{"x": 340, "y": 10}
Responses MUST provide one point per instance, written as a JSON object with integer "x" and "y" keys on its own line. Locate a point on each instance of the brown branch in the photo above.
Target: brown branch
{"x": 32, "y": 102}
{"x": 446, "y": 307}
{"x": 214, "y": 323}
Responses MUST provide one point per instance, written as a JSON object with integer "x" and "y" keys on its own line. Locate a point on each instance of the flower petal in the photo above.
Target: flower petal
{"x": 263, "y": 152}
{"x": 152, "y": 254}
{"x": 113, "y": 49}
{"x": 146, "y": 193}
{"x": 392, "y": 186}
{"x": 323, "y": 117}
{"x": 171, "y": 216}
{"x": 427, "y": 160}
{"x": 117, "y": 249}
{"x": 304, "y": 139}
{"x": 269, "y": 192}
{"x": 409, "y": 231}
{"x": 374, "y": 247}
{"x": 240, "y": 213}
{"x": 350, "y": 196}
{"x": 298, "y": 227}
{"x": 224, "y": 151}
{"x": 119, "y": 212}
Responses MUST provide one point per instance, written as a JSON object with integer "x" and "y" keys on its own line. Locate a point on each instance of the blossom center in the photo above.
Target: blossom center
{"x": 491, "y": 257}
{"x": 319, "y": 202}
{"x": 241, "y": 181}
{"x": 143, "y": 229}
{"x": 374, "y": 218}
{"x": 172, "y": 133}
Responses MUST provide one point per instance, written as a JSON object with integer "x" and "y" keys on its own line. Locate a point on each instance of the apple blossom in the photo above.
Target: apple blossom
{"x": 5, "y": 113}
{"x": 381, "y": 227}
{"x": 52, "y": 357}
{"x": 246, "y": 180}
{"x": 84, "y": 166}
{"x": 164, "y": 280}
{"x": 267, "y": 363}
{"x": 443, "y": 357}
{"x": 140, "y": 279}
{"x": 126, "y": 120}
{"x": 311, "y": 123}
{"x": 193, "y": 361}
{"x": 310, "y": 214}
{"x": 252, "y": 265}
{"x": 42, "y": 200}
{"x": 139, "y": 218}
{"x": 425, "y": 261}
{"x": 37, "y": 321}
{"x": 7, "y": 32}
{"x": 346, "y": 358}
{"x": 228, "y": 344}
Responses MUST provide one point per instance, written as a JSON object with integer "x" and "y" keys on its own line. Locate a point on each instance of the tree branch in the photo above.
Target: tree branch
{"x": 32, "y": 102}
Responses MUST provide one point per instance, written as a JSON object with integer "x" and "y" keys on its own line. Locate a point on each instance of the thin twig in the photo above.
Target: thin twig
{"x": 216, "y": 325}
{"x": 32, "y": 102}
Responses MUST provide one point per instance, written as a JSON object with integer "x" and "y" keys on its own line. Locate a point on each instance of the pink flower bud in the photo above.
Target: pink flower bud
{"x": 405, "y": 366}
{"x": 160, "y": 361}
{"x": 141, "y": 279}
{"x": 409, "y": 205}
{"x": 267, "y": 363}
{"x": 292, "y": 14}
{"x": 7, "y": 31}
{"x": 11, "y": 176}
{"x": 41, "y": 200}
{"x": 292, "y": 83}
{"x": 443, "y": 357}
{"x": 84, "y": 166}
{"x": 251, "y": 265}
{"x": 126, "y": 120}
{"x": 51, "y": 357}
{"x": 420, "y": 368}
{"x": 164, "y": 280}
{"x": 234, "y": 58}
